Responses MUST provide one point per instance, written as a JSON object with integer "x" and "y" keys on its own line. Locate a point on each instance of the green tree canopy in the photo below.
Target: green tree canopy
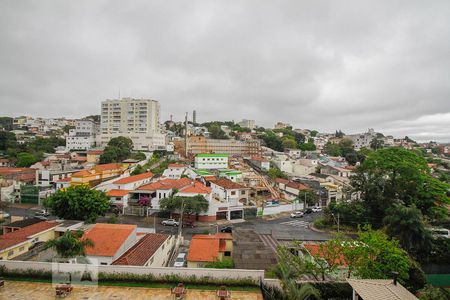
{"x": 25, "y": 159}
{"x": 276, "y": 173}
{"x": 289, "y": 144}
{"x": 189, "y": 205}
{"x": 78, "y": 203}
{"x": 117, "y": 150}
{"x": 70, "y": 244}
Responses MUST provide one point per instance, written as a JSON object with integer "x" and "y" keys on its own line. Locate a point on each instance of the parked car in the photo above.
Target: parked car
{"x": 188, "y": 224}
{"x": 308, "y": 211}
{"x": 317, "y": 209}
{"x": 180, "y": 260}
{"x": 170, "y": 222}
{"x": 297, "y": 214}
{"x": 4, "y": 215}
{"x": 227, "y": 229}
{"x": 43, "y": 213}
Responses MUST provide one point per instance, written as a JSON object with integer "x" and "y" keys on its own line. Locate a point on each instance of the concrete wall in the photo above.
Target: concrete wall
{"x": 281, "y": 208}
{"x": 184, "y": 272}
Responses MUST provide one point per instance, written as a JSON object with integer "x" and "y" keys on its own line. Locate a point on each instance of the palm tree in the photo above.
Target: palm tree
{"x": 70, "y": 244}
{"x": 291, "y": 289}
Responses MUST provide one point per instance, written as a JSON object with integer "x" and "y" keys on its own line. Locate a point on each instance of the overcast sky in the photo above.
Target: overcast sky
{"x": 323, "y": 65}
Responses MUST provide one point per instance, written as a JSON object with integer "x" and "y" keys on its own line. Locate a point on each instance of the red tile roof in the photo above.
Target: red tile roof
{"x": 134, "y": 178}
{"x": 228, "y": 184}
{"x": 82, "y": 173}
{"x": 297, "y": 185}
{"x": 196, "y": 188}
{"x": 176, "y": 166}
{"x": 117, "y": 193}
{"x": 166, "y": 184}
{"x": 143, "y": 250}
{"x": 281, "y": 180}
{"x": 16, "y": 237}
{"x": 107, "y": 167}
{"x": 95, "y": 152}
{"x": 207, "y": 247}
{"x": 67, "y": 179}
{"x": 107, "y": 238}
{"x": 314, "y": 250}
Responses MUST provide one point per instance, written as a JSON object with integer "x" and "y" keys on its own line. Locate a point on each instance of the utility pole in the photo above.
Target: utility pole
{"x": 185, "y": 135}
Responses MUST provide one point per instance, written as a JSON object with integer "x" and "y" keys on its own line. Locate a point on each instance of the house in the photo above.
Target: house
{"x": 17, "y": 225}
{"x": 93, "y": 156}
{"x": 111, "y": 241}
{"x": 97, "y": 174}
{"x": 119, "y": 198}
{"x": 19, "y": 241}
{"x": 209, "y": 248}
{"x": 51, "y": 177}
{"x": 294, "y": 188}
{"x": 4, "y": 162}
{"x": 133, "y": 182}
{"x": 293, "y": 153}
{"x": 260, "y": 163}
{"x": 152, "y": 250}
{"x": 174, "y": 171}
{"x": 281, "y": 183}
{"x": 345, "y": 172}
{"x": 229, "y": 198}
{"x": 211, "y": 161}
{"x": 233, "y": 175}
{"x": 375, "y": 289}
{"x": 63, "y": 183}
{"x": 25, "y": 175}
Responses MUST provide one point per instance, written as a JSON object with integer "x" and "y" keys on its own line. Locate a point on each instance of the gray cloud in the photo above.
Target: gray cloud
{"x": 316, "y": 64}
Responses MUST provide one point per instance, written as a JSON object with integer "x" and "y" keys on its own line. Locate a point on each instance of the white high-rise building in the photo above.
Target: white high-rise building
{"x": 137, "y": 119}
{"x": 83, "y": 137}
{"x": 248, "y": 124}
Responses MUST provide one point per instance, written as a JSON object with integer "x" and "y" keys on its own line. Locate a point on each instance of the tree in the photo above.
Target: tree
{"x": 7, "y": 140}
{"x": 67, "y": 128}
{"x": 307, "y": 146}
{"x": 70, "y": 244}
{"x": 314, "y": 133}
{"x": 78, "y": 203}
{"x": 332, "y": 149}
{"x": 6, "y": 123}
{"x": 138, "y": 156}
{"x": 25, "y": 159}
{"x": 189, "y": 205}
{"x": 289, "y": 144}
{"x": 216, "y": 132}
{"x": 434, "y": 293}
{"x": 138, "y": 170}
{"x": 117, "y": 150}
{"x": 406, "y": 224}
{"x": 339, "y": 134}
{"x": 376, "y": 143}
{"x": 276, "y": 173}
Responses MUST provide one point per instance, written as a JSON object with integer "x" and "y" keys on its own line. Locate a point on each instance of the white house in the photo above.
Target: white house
{"x": 211, "y": 161}
{"x": 133, "y": 182}
{"x": 174, "y": 171}
{"x": 230, "y": 197}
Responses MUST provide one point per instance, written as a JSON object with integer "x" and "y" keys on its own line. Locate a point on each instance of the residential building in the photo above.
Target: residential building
{"x": 201, "y": 144}
{"x": 137, "y": 119}
{"x": 337, "y": 171}
{"x": 247, "y": 124}
{"x": 133, "y": 182}
{"x": 97, "y": 174}
{"x": 205, "y": 249}
{"x": 111, "y": 241}
{"x": 281, "y": 125}
{"x": 260, "y": 163}
{"x": 174, "y": 171}
{"x": 84, "y": 136}
{"x": 24, "y": 175}
{"x": 93, "y": 156}
{"x": 375, "y": 289}
{"x": 229, "y": 199}
{"x": 293, "y": 153}
{"x": 51, "y": 177}
{"x": 152, "y": 250}
{"x": 19, "y": 241}
{"x": 211, "y": 161}
{"x": 233, "y": 175}
{"x": 119, "y": 198}
{"x": 4, "y": 162}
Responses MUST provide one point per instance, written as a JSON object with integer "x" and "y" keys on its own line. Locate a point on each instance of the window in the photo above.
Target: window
{"x": 151, "y": 260}
{"x": 233, "y": 192}
{"x": 10, "y": 252}
{"x": 227, "y": 253}
{"x": 22, "y": 248}
{"x": 243, "y": 192}
{"x": 103, "y": 264}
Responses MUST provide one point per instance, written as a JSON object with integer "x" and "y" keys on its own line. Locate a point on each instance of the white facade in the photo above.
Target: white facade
{"x": 211, "y": 161}
{"x": 83, "y": 137}
{"x": 174, "y": 171}
{"x": 137, "y": 119}
{"x": 247, "y": 124}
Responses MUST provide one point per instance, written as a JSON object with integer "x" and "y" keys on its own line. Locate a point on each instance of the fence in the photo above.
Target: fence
{"x": 254, "y": 275}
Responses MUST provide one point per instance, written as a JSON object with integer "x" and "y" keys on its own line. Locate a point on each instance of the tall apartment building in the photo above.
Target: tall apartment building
{"x": 247, "y": 124}
{"x": 201, "y": 144}
{"x": 84, "y": 136}
{"x": 137, "y": 119}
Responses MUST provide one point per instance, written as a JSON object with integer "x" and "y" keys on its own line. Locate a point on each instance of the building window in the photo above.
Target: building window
{"x": 10, "y": 252}
{"x": 243, "y": 192}
{"x": 227, "y": 253}
{"x": 233, "y": 192}
{"x": 103, "y": 264}
{"x": 22, "y": 248}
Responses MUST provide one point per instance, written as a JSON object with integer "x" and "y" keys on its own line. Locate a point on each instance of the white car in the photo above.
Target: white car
{"x": 440, "y": 232}
{"x": 317, "y": 209}
{"x": 170, "y": 222}
{"x": 297, "y": 214}
{"x": 180, "y": 260}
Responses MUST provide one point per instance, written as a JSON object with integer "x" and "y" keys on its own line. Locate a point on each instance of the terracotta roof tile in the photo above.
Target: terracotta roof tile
{"x": 106, "y": 167}
{"x": 13, "y": 238}
{"x": 297, "y": 185}
{"x": 143, "y": 250}
{"x": 196, "y": 188}
{"x": 107, "y": 238}
{"x": 228, "y": 184}
{"x": 281, "y": 180}
{"x": 207, "y": 247}
{"x": 176, "y": 166}
{"x": 166, "y": 184}
{"x": 134, "y": 178}
{"x": 117, "y": 193}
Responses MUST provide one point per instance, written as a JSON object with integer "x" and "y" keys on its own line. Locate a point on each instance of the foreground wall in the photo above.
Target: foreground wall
{"x": 157, "y": 272}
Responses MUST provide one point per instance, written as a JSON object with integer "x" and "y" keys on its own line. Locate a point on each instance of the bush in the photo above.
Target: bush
{"x": 226, "y": 263}
{"x": 333, "y": 290}
{"x": 320, "y": 223}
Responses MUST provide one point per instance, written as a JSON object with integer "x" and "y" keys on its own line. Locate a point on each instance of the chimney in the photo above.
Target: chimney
{"x": 395, "y": 276}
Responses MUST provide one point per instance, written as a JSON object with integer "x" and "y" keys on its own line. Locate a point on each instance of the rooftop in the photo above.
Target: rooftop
{"x": 107, "y": 238}
{"x": 375, "y": 289}
{"x": 206, "y": 247}
{"x": 211, "y": 155}
{"x": 176, "y": 166}
{"x": 166, "y": 184}
{"x": 117, "y": 193}
{"x": 143, "y": 250}
{"x": 134, "y": 178}
{"x": 23, "y": 223}
{"x": 16, "y": 237}
{"x": 228, "y": 184}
